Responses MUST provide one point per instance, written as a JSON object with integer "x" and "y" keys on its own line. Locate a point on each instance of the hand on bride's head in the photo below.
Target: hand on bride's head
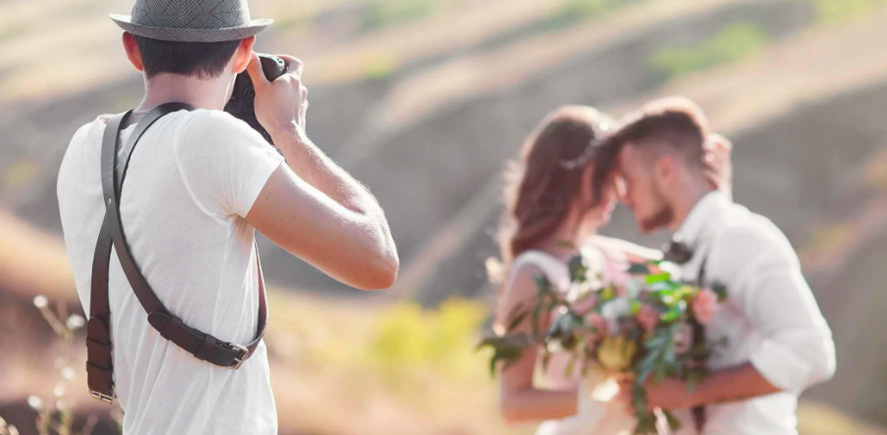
{"x": 718, "y": 164}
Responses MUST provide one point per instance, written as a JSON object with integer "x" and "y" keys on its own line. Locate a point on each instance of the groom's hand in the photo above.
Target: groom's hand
{"x": 718, "y": 166}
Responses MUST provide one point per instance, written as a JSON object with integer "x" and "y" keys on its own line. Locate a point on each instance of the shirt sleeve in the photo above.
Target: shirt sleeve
{"x": 763, "y": 277}
{"x": 224, "y": 163}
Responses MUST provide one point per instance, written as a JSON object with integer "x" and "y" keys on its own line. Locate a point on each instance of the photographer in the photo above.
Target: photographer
{"x": 197, "y": 186}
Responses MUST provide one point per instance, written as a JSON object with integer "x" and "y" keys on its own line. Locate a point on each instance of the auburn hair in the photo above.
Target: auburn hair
{"x": 543, "y": 183}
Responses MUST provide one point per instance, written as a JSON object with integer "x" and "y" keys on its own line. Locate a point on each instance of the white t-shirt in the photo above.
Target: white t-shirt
{"x": 192, "y": 178}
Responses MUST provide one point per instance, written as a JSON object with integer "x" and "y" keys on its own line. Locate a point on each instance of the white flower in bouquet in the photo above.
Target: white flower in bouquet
{"x": 616, "y": 308}
{"x": 672, "y": 269}
{"x": 634, "y": 287}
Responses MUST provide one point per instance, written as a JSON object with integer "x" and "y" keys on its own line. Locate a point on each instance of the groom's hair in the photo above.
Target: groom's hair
{"x": 674, "y": 125}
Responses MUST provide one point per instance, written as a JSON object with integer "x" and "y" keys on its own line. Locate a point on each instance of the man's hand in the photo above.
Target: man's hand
{"x": 741, "y": 382}
{"x": 718, "y": 167}
{"x": 280, "y": 105}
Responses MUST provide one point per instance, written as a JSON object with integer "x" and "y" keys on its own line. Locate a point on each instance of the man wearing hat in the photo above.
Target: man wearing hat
{"x": 197, "y": 186}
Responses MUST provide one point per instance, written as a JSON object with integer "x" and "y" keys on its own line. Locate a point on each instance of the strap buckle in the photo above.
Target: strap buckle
{"x": 243, "y": 357}
{"x": 102, "y": 397}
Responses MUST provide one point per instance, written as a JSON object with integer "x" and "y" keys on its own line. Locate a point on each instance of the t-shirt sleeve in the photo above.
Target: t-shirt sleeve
{"x": 224, "y": 163}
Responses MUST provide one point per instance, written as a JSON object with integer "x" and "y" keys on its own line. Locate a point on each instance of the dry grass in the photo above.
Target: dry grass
{"x": 329, "y": 376}
{"x": 33, "y": 262}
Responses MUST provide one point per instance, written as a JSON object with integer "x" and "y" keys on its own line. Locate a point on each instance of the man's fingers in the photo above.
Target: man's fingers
{"x": 256, "y": 73}
{"x": 293, "y": 65}
{"x": 718, "y": 141}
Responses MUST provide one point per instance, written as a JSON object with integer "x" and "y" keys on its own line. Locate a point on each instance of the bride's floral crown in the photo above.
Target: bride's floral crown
{"x": 600, "y": 131}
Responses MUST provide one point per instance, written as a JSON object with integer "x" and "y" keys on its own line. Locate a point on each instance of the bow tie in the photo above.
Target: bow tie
{"x": 677, "y": 252}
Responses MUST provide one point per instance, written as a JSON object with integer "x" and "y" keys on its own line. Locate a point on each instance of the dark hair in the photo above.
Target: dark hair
{"x": 673, "y": 124}
{"x": 196, "y": 59}
{"x": 540, "y": 187}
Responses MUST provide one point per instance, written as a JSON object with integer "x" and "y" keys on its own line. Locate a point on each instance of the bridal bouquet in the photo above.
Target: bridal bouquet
{"x": 639, "y": 322}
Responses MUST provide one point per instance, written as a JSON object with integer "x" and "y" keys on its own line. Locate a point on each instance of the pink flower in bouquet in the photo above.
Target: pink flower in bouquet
{"x": 598, "y": 322}
{"x": 683, "y": 339}
{"x": 648, "y": 317}
{"x": 616, "y": 272}
{"x": 585, "y": 304}
{"x": 704, "y": 305}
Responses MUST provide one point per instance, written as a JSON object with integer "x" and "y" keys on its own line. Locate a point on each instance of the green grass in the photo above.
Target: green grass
{"x": 386, "y": 13}
{"x": 573, "y": 11}
{"x": 734, "y": 42}
{"x": 381, "y": 66}
{"x": 833, "y": 12}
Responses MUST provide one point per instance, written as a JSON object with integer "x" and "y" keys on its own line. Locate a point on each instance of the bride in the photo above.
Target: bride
{"x": 550, "y": 200}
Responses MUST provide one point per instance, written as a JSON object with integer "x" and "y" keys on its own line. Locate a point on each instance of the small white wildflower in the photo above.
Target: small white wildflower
{"x": 68, "y": 374}
{"x": 75, "y": 321}
{"x": 59, "y": 390}
{"x": 40, "y": 301}
{"x": 35, "y": 403}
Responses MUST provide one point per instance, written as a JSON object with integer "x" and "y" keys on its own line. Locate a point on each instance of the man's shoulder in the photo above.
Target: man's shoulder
{"x": 216, "y": 122}
{"x": 81, "y": 142}
{"x": 744, "y": 230}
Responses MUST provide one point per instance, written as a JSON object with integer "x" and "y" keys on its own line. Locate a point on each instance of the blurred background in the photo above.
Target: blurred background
{"x": 424, "y": 101}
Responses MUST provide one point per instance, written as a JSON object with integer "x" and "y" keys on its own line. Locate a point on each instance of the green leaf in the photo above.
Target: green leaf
{"x": 571, "y": 364}
{"x": 520, "y": 317}
{"x": 639, "y": 269}
{"x": 658, "y": 277}
{"x": 673, "y": 422}
{"x": 578, "y": 269}
{"x": 721, "y": 291}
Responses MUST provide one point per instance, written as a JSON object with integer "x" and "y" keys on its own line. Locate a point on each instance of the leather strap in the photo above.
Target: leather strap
{"x": 202, "y": 345}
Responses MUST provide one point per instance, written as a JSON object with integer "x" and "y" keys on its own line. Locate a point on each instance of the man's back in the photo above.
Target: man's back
{"x": 191, "y": 180}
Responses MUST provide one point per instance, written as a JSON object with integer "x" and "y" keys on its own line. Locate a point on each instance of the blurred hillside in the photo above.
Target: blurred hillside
{"x": 424, "y": 100}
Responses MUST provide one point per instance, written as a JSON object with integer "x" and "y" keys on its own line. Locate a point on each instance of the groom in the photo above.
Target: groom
{"x": 778, "y": 343}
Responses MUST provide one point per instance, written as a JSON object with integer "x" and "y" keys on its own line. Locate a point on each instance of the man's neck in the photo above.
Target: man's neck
{"x": 200, "y": 93}
{"x": 686, "y": 200}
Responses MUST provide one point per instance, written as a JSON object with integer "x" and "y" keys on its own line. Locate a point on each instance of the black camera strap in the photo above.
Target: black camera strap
{"x": 99, "y": 365}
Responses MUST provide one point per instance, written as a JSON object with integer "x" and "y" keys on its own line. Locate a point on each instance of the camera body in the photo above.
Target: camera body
{"x": 242, "y": 102}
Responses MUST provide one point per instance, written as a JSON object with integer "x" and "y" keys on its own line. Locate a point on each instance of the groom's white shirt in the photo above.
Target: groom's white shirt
{"x": 770, "y": 317}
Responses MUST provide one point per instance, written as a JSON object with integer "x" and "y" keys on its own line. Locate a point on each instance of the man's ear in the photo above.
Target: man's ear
{"x": 664, "y": 169}
{"x": 243, "y": 55}
{"x": 132, "y": 51}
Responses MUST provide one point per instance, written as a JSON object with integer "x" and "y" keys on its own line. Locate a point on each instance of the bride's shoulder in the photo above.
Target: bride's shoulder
{"x": 625, "y": 250}
{"x": 534, "y": 262}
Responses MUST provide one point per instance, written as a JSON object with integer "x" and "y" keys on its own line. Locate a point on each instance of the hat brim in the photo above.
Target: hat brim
{"x": 192, "y": 35}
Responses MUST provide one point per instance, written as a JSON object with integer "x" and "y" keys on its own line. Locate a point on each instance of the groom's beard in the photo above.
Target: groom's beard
{"x": 658, "y": 220}
{"x": 661, "y": 218}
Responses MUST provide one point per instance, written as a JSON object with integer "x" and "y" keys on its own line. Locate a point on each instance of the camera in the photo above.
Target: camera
{"x": 242, "y": 102}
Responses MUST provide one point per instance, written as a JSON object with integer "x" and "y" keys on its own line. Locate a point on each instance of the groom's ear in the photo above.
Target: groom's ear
{"x": 663, "y": 167}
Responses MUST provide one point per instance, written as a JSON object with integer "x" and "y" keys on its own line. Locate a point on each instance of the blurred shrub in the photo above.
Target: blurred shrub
{"x": 384, "y": 13}
{"x": 831, "y": 12}
{"x": 573, "y": 11}
{"x": 408, "y": 339}
{"x": 732, "y": 43}
{"x": 19, "y": 173}
{"x": 381, "y": 66}
{"x": 876, "y": 171}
